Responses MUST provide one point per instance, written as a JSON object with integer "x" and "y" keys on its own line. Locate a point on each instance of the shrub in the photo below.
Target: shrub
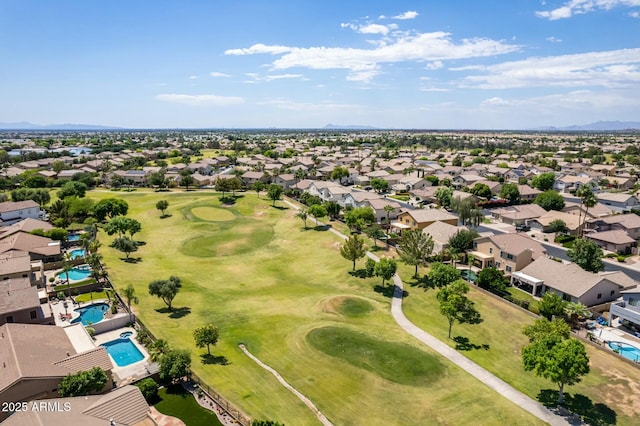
{"x": 149, "y": 389}
{"x": 91, "y": 331}
{"x": 620, "y": 258}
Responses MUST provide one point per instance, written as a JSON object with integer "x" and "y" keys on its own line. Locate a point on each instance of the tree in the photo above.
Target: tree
{"x": 440, "y": 274}
{"x": 492, "y": 278}
{"x": 157, "y": 179}
{"x": 206, "y": 336}
{"x": 339, "y": 173}
{"x": 162, "y": 205}
{"x": 317, "y": 211}
{"x": 66, "y": 268}
{"x": 166, "y": 289}
{"x": 379, "y": 185}
{"x": 551, "y": 305}
{"x": 353, "y": 249}
{"x": 558, "y": 226}
{"x": 187, "y": 180}
{"x": 555, "y": 357}
{"x": 444, "y": 195}
{"x": 468, "y": 213}
{"x": 109, "y": 208}
{"x": 542, "y": 327}
{"x": 588, "y": 199}
{"x": 175, "y": 364}
{"x": 415, "y": 247}
{"x": 385, "y": 269}
{"x": 388, "y": 209}
{"x": 274, "y": 192}
{"x": 510, "y": 192}
{"x": 455, "y": 306}
{"x": 223, "y": 185}
{"x": 575, "y": 312}
{"x": 333, "y": 209}
{"x": 370, "y": 267}
{"x": 265, "y": 423}
{"x": 302, "y": 214}
{"x": 359, "y": 217}
{"x": 122, "y": 225}
{"x": 587, "y": 255}
{"x": 550, "y": 200}
{"x": 375, "y": 233}
{"x": 129, "y": 294}
{"x": 543, "y": 181}
{"x": 259, "y": 186}
{"x": 72, "y": 189}
{"x": 125, "y": 245}
{"x": 149, "y": 389}
{"x": 83, "y": 383}
{"x": 481, "y": 190}
{"x": 158, "y": 349}
{"x": 462, "y": 240}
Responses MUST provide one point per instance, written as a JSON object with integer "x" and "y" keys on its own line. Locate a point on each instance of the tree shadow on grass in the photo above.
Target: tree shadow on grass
{"x": 463, "y": 344}
{"x": 131, "y": 259}
{"x": 209, "y": 359}
{"x": 164, "y": 216}
{"x": 321, "y": 228}
{"x": 422, "y": 281}
{"x": 281, "y": 207}
{"x": 359, "y": 273}
{"x": 228, "y": 201}
{"x": 141, "y": 243}
{"x": 388, "y": 290}
{"x": 175, "y": 313}
{"x": 593, "y": 414}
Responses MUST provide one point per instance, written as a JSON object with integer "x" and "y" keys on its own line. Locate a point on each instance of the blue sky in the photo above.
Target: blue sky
{"x": 463, "y": 64}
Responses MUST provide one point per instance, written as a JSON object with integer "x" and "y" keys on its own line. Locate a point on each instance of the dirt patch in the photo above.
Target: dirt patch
{"x": 617, "y": 393}
{"x": 332, "y": 305}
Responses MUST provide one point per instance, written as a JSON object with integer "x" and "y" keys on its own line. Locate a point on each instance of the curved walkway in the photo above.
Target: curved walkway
{"x": 495, "y": 383}
{"x": 284, "y": 383}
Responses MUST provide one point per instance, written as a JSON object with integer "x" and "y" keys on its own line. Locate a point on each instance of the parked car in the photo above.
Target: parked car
{"x": 522, "y": 227}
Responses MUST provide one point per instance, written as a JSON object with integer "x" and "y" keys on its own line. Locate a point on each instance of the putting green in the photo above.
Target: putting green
{"x": 243, "y": 238}
{"x": 396, "y": 362}
{"x": 350, "y": 307}
{"x": 215, "y": 214}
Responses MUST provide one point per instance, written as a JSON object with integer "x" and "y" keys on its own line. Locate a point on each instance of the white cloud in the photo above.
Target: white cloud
{"x": 361, "y": 63}
{"x": 553, "y": 39}
{"x": 370, "y": 28}
{"x": 309, "y": 106}
{"x": 435, "y": 65}
{"x": 494, "y": 101}
{"x": 611, "y": 69}
{"x": 578, "y": 7}
{"x": 218, "y": 74}
{"x": 634, "y": 14}
{"x": 259, "y": 48}
{"x": 193, "y": 77}
{"x": 255, "y": 77}
{"x": 433, "y": 89}
{"x": 411, "y": 14}
{"x": 200, "y": 100}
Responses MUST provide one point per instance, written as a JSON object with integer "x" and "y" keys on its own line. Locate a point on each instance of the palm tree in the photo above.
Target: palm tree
{"x": 470, "y": 259}
{"x": 129, "y": 294}
{"x": 157, "y": 349}
{"x": 66, "y": 268}
{"x": 388, "y": 209}
{"x": 588, "y": 199}
{"x": 575, "y": 311}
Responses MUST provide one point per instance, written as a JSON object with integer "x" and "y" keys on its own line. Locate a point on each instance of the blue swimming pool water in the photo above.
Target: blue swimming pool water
{"x": 126, "y": 334}
{"x": 74, "y": 237}
{"x": 91, "y": 314}
{"x": 75, "y": 274}
{"x": 123, "y": 351}
{"x": 626, "y": 350}
{"x": 74, "y": 254}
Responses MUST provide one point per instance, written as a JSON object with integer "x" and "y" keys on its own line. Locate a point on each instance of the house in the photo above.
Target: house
{"x": 616, "y": 240}
{"x": 286, "y": 180}
{"x": 527, "y": 193}
{"x": 627, "y": 309}
{"x": 630, "y": 223}
{"x": 543, "y": 223}
{"x": 251, "y": 177}
{"x": 572, "y": 183}
{"x": 618, "y": 201}
{"x": 466, "y": 180}
{"x": 357, "y": 198}
{"x": 378, "y": 205}
{"x": 441, "y": 233}
{"x": 135, "y": 177}
{"x": 34, "y": 371}
{"x": 39, "y": 248}
{"x": 328, "y": 191}
{"x": 201, "y": 180}
{"x": 124, "y": 406}
{"x": 578, "y": 209}
{"x": 26, "y": 225}
{"x": 421, "y": 218}
{"x": 507, "y": 252}
{"x": 516, "y": 215}
{"x": 569, "y": 281}
{"x": 12, "y": 212}
{"x": 20, "y": 302}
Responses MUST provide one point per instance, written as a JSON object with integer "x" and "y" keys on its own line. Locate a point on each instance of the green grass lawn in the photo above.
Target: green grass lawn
{"x": 88, "y": 297}
{"x": 521, "y": 295}
{"x": 267, "y": 283}
{"x": 611, "y": 389}
{"x": 177, "y": 402}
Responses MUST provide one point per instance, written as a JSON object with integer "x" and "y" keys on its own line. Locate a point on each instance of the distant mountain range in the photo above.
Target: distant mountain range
{"x": 598, "y": 126}
{"x": 25, "y": 125}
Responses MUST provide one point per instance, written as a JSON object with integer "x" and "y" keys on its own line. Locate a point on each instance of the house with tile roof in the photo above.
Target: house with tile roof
{"x": 12, "y": 212}
{"x": 507, "y": 252}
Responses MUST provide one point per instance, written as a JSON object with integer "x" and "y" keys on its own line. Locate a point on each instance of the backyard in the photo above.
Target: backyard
{"x": 286, "y": 293}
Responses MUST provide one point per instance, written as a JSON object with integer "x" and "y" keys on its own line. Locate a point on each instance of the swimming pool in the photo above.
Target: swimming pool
{"x": 91, "y": 314}
{"x": 75, "y": 274}
{"x": 123, "y": 351}
{"x": 74, "y": 237}
{"x": 626, "y": 350}
{"x": 74, "y": 254}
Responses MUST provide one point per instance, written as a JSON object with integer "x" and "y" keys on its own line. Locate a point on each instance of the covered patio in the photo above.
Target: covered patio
{"x": 481, "y": 260}
{"x": 527, "y": 283}
{"x": 397, "y": 227}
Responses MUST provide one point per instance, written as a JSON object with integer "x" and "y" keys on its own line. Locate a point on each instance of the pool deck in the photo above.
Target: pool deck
{"x": 136, "y": 369}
